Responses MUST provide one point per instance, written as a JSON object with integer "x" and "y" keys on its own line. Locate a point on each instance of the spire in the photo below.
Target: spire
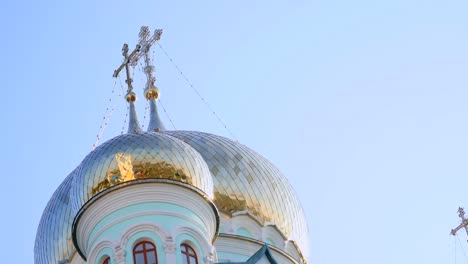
{"x": 155, "y": 123}
{"x": 151, "y": 91}
{"x": 133, "y": 125}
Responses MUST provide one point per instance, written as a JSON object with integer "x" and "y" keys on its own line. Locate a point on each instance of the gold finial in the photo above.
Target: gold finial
{"x": 152, "y": 93}
{"x": 130, "y": 97}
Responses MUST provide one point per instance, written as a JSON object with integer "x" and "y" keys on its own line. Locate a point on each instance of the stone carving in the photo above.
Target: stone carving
{"x": 119, "y": 255}
{"x": 169, "y": 245}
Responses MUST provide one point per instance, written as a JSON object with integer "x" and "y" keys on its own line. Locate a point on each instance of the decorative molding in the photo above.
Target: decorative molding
{"x": 210, "y": 259}
{"x": 135, "y": 229}
{"x": 169, "y": 245}
{"x": 246, "y": 246}
{"x": 148, "y": 213}
{"x": 120, "y": 254}
{"x": 202, "y": 239}
{"x": 89, "y": 217}
{"x": 244, "y": 219}
{"x": 291, "y": 248}
{"x": 96, "y": 250}
{"x": 226, "y": 221}
{"x": 272, "y": 233}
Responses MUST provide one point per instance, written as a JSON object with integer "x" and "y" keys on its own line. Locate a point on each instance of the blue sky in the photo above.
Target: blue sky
{"x": 361, "y": 104}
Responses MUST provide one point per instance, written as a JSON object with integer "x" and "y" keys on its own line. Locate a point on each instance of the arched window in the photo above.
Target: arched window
{"x": 145, "y": 253}
{"x": 188, "y": 254}
{"x": 106, "y": 261}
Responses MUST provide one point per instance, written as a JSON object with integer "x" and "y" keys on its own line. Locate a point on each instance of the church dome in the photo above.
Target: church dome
{"x": 135, "y": 156}
{"x": 53, "y": 238}
{"x": 233, "y": 177}
{"x": 245, "y": 181}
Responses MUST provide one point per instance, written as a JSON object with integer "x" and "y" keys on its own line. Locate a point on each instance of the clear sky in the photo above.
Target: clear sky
{"x": 361, "y": 104}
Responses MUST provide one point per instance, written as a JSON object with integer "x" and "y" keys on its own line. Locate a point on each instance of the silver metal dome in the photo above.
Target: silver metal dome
{"x": 53, "y": 239}
{"x": 240, "y": 180}
{"x": 137, "y": 156}
{"x": 244, "y": 180}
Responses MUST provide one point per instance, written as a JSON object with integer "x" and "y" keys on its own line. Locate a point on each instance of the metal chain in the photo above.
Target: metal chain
{"x": 126, "y": 112}
{"x": 145, "y": 114}
{"x": 196, "y": 91}
{"x": 125, "y": 120}
{"x": 106, "y": 118}
{"x": 463, "y": 251}
{"x": 167, "y": 114}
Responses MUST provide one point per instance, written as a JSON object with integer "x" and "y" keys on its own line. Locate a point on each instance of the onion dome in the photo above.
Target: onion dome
{"x": 245, "y": 181}
{"x": 135, "y": 156}
{"x": 53, "y": 238}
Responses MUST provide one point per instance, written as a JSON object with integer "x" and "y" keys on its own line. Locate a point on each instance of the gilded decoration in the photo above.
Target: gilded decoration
{"x": 127, "y": 172}
{"x": 131, "y": 157}
{"x": 245, "y": 181}
{"x": 237, "y": 203}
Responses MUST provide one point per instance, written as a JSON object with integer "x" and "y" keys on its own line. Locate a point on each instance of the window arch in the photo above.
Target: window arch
{"x": 144, "y": 252}
{"x": 106, "y": 261}
{"x": 189, "y": 256}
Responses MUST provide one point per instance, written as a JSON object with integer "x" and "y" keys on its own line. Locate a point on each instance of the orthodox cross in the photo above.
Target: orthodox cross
{"x": 464, "y": 223}
{"x": 146, "y": 41}
{"x": 127, "y": 59}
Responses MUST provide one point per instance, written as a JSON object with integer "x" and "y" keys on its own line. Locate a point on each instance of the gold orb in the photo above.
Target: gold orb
{"x": 152, "y": 93}
{"x": 130, "y": 97}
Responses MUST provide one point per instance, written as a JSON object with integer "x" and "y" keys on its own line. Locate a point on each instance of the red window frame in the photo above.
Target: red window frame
{"x": 106, "y": 261}
{"x": 187, "y": 252}
{"x": 145, "y": 251}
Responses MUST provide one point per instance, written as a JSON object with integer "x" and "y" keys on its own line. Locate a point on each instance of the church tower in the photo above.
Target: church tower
{"x": 170, "y": 196}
